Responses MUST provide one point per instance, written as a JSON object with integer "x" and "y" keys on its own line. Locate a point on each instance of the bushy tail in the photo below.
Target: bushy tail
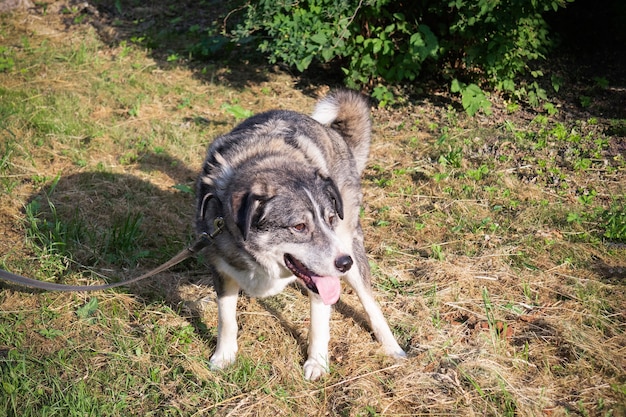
{"x": 348, "y": 113}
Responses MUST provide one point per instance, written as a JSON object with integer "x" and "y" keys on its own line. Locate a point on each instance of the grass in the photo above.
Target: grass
{"x": 496, "y": 244}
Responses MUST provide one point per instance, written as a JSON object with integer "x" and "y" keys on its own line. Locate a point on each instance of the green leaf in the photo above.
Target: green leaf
{"x": 573, "y": 218}
{"x": 89, "y": 309}
{"x": 8, "y": 388}
{"x": 456, "y": 86}
{"x": 184, "y": 188}
{"x": 377, "y": 45}
{"x": 470, "y": 98}
{"x": 319, "y": 38}
{"x": 50, "y": 333}
{"x": 304, "y": 63}
{"x": 508, "y": 85}
{"x": 327, "y": 54}
{"x": 237, "y": 111}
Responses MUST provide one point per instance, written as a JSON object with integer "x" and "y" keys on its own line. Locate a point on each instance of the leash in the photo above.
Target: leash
{"x": 204, "y": 240}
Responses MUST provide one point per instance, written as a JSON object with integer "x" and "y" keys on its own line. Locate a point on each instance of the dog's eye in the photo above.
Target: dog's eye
{"x": 332, "y": 219}
{"x": 300, "y": 227}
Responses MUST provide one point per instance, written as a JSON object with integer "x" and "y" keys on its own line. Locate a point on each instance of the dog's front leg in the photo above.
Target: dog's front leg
{"x": 316, "y": 364}
{"x": 226, "y": 349}
{"x": 375, "y": 316}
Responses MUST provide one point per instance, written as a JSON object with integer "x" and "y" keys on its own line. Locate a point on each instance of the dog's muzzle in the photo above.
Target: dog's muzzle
{"x": 328, "y": 287}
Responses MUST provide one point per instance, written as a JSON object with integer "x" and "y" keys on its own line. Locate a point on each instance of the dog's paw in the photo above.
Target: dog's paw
{"x": 314, "y": 370}
{"x": 395, "y": 352}
{"x": 221, "y": 360}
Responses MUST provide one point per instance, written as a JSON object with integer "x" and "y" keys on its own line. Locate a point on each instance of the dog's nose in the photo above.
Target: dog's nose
{"x": 343, "y": 263}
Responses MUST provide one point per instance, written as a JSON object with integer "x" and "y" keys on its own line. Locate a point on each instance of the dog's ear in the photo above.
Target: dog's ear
{"x": 244, "y": 209}
{"x": 335, "y": 195}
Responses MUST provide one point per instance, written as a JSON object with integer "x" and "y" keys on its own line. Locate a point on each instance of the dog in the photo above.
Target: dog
{"x": 288, "y": 187}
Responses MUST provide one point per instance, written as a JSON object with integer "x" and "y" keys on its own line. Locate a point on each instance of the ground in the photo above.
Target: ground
{"x": 496, "y": 242}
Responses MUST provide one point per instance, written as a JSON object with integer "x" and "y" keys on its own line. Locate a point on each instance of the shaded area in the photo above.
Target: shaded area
{"x": 590, "y": 57}
{"x": 117, "y": 225}
{"x": 176, "y": 34}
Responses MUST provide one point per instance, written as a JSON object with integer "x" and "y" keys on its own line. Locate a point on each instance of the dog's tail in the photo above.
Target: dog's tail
{"x": 348, "y": 113}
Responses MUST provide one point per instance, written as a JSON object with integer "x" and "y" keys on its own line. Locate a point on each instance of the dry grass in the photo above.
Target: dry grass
{"x": 505, "y": 306}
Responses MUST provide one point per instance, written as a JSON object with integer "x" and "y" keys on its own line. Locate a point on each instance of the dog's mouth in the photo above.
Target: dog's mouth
{"x": 328, "y": 288}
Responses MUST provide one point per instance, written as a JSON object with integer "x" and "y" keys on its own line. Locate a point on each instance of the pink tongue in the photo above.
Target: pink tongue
{"x": 329, "y": 288}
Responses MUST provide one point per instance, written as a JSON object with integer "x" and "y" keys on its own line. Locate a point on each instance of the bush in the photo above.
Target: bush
{"x": 486, "y": 43}
{"x": 372, "y": 41}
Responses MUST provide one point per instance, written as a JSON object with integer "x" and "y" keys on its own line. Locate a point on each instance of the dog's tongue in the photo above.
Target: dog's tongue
{"x": 329, "y": 288}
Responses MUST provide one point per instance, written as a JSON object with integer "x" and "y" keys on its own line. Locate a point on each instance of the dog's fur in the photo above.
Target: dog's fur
{"x": 288, "y": 188}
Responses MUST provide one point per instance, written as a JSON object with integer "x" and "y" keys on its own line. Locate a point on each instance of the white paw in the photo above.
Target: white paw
{"x": 222, "y": 360}
{"x": 395, "y": 352}
{"x": 314, "y": 370}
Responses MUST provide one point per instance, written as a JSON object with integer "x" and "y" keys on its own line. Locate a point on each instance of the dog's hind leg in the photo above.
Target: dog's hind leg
{"x": 359, "y": 280}
{"x": 226, "y": 350}
{"x": 316, "y": 364}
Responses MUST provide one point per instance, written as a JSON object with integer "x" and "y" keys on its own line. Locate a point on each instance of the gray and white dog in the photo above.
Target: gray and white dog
{"x": 288, "y": 188}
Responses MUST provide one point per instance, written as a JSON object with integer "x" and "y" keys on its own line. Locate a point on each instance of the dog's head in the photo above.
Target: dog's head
{"x": 289, "y": 223}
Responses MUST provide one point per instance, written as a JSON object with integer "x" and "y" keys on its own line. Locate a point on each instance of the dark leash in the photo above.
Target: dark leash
{"x": 204, "y": 240}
